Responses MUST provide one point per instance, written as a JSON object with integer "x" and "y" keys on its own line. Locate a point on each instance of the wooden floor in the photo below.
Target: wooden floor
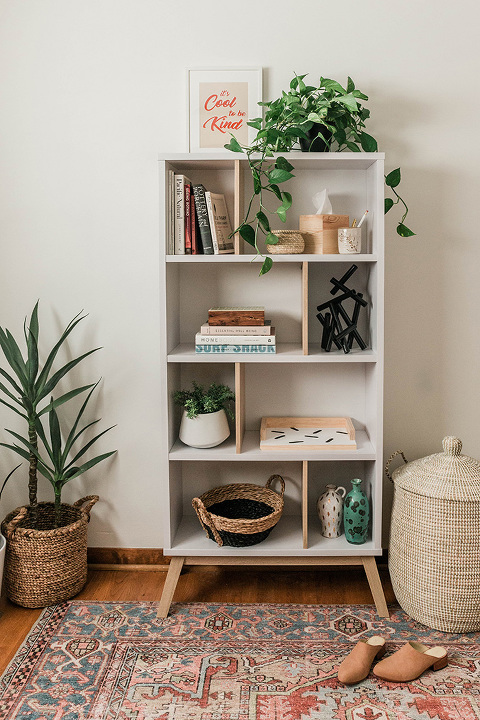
{"x": 199, "y": 584}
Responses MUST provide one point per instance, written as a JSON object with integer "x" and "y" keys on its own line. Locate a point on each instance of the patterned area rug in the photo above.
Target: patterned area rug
{"x": 116, "y": 661}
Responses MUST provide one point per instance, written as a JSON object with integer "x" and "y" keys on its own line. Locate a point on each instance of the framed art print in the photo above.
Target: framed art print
{"x": 220, "y": 102}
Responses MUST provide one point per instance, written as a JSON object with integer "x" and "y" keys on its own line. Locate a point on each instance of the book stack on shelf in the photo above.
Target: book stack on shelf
{"x": 236, "y": 330}
{"x": 197, "y": 219}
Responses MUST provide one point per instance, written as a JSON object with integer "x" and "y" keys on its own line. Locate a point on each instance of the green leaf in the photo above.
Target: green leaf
{"x": 91, "y": 463}
{"x": 393, "y": 178}
{"x": 263, "y": 220}
{"x": 12, "y": 407}
{"x": 282, "y": 213}
{"x": 369, "y": 144}
{"x": 388, "y": 204}
{"x": 65, "y": 398}
{"x": 256, "y": 123}
{"x": 20, "y": 451}
{"x": 276, "y": 191}
{"x": 287, "y": 200}
{"x": 8, "y": 478}
{"x": 55, "y": 437}
{"x": 13, "y": 356}
{"x": 349, "y": 101}
{"x": 271, "y": 239}
{"x": 267, "y": 264}
{"x": 277, "y": 176}
{"x": 351, "y": 146}
{"x": 404, "y": 231}
{"x": 42, "y": 378}
{"x": 56, "y": 377}
{"x": 350, "y": 85}
{"x": 87, "y": 446}
{"x": 257, "y": 185}
{"x": 332, "y": 85}
{"x": 283, "y": 164}
{"x": 248, "y": 234}
{"x": 233, "y": 145}
{"x": 11, "y": 381}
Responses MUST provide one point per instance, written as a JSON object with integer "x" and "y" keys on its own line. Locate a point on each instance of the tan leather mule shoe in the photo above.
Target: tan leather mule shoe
{"x": 410, "y": 662}
{"x": 356, "y": 665}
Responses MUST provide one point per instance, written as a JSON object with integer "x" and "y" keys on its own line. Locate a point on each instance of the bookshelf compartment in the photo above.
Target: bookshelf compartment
{"x": 192, "y": 479}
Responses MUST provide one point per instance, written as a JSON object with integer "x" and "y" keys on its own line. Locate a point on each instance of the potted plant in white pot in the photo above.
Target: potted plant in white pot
{"x": 46, "y": 553}
{"x": 204, "y": 422}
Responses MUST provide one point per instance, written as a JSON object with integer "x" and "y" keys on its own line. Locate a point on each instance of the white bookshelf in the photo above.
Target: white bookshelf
{"x": 299, "y": 380}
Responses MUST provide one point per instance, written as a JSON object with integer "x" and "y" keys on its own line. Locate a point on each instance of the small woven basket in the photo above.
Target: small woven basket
{"x": 44, "y": 566}
{"x": 289, "y": 242}
{"x": 240, "y": 514}
{"x": 434, "y": 554}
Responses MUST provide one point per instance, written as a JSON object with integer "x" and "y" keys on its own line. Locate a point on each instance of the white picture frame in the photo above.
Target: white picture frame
{"x": 219, "y": 102}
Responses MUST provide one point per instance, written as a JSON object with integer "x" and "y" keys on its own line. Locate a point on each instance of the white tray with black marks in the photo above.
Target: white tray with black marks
{"x": 322, "y": 433}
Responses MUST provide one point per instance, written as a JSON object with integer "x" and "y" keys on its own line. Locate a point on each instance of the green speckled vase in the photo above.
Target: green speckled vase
{"x": 356, "y": 514}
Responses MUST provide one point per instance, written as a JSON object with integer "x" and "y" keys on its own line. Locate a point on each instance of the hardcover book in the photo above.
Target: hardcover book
{"x": 202, "y": 217}
{"x": 236, "y": 316}
{"x": 239, "y": 349}
{"x": 266, "y": 329}
{"x": 234, "y": 339}
{"x": 188, "y": 220}
{"x": 180, "y": 182}
{"x": 219, "y": 223}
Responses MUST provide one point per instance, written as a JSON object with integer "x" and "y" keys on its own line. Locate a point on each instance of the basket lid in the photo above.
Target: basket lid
{"x": 448, "y": 475}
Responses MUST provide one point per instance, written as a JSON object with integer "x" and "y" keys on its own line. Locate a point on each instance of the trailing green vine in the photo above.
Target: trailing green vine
{"x": 307, "y": 115}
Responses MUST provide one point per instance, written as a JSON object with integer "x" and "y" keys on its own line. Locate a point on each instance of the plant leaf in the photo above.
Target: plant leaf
{"x": 87, "y": 446}
{"x": 12, "y": 382}
{"x": 283, "y": 164}
{"x": 351, "y": 146}
{"x": 276, "y": 191}
{"x": 42, "y": 378}
{"x": 263, "y": 220}
{"x": 393, "y": 178}
{"x": 282, "y": 213}
{"x": 277, "y": 176}
{"x": 248, "y": 234}
{"x": 12, "y": 407}
{"x": 350, "y": 85}
{"x": 56, "y": 377}
{"x": 55, "y": 437}
{"x": 349, "y": 101}
{"x": 369, "y": 144}
{"x": 90, "y": 464}
{"x": 65, "y": 398}
{"x": 287, "y": 200}
{"x": 271, "y": 239}
{"x": 404, "y": 231}
{"x": 13, "y": 356}
{"x": 233, "y": 145}
{"x": 388, "y": 204}
{"x": 8, "y": 478}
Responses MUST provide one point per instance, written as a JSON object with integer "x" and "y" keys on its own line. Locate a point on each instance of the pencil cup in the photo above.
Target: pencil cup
{"x": 349, "y": 240}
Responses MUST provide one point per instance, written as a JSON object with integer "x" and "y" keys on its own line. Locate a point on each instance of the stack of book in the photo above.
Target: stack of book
{"x": 236, "y": 330}
{"x": 197, "y": 219}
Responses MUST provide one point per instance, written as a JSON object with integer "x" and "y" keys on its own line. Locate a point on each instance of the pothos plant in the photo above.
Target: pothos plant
{"x": 304, "y": 115}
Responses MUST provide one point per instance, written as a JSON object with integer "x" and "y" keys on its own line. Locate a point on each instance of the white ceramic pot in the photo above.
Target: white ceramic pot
{"x": 330, "y": 510}
{"x": 3, "y": 544}
{"x": 204, "y": 431}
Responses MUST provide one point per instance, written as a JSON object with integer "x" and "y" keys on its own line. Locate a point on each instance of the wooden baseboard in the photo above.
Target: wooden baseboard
{"x": 145, "y": 558}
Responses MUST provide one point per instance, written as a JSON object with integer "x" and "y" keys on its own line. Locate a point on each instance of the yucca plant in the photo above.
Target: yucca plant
{"x": 32, "y": 383}
{"x": 61, "y": 465}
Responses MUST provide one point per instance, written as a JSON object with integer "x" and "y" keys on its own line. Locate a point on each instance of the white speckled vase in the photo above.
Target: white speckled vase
{"x": 330, "y": 510}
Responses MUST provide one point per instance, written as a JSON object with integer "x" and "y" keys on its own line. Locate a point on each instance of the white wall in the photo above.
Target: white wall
{"x": 93, "y": 90}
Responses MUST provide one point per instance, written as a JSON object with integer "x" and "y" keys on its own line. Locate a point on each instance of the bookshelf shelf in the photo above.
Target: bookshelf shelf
{"x": 299, "y": 380}
{"x": 286, "y": 353}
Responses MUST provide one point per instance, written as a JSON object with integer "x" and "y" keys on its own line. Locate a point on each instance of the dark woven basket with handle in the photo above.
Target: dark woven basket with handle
{"x": 44, "y": 566}
{"x": 240, "y": 514}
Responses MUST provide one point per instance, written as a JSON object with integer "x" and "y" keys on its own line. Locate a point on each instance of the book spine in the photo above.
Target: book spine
{"x": 179, "y": 216}
{"x": 193, "y": 219}
{"x": 170, "y": 240}
{"x": 211, "y": 220}
{"x": 203, "y": 222}
{"x": 234, "y": 339}
{"x": 239, "y": 349}
{"x": 237, "y": 330}
{"x": 188, "y": 220}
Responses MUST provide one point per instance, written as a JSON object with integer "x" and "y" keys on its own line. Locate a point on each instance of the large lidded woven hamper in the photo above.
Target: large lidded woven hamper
{"x": 434, "y": 555}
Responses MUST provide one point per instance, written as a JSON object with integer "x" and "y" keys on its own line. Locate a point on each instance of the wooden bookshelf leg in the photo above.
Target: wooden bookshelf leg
{"x": 371, "y": 571}
{"x": 174, "y": 570}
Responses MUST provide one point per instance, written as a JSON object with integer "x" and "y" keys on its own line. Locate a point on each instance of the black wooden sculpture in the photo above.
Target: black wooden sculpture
{"x": 339, "y": 328}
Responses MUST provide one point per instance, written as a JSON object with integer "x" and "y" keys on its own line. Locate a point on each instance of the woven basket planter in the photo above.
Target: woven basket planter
{"x": 289, "y": 242}
{"x": 44, "y": 566}
{"x": 434, "y": 555}
{"x": 241, "y": 514}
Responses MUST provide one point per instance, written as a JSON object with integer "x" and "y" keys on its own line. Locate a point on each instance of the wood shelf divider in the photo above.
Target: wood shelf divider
{"x": 239, "y": 406}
